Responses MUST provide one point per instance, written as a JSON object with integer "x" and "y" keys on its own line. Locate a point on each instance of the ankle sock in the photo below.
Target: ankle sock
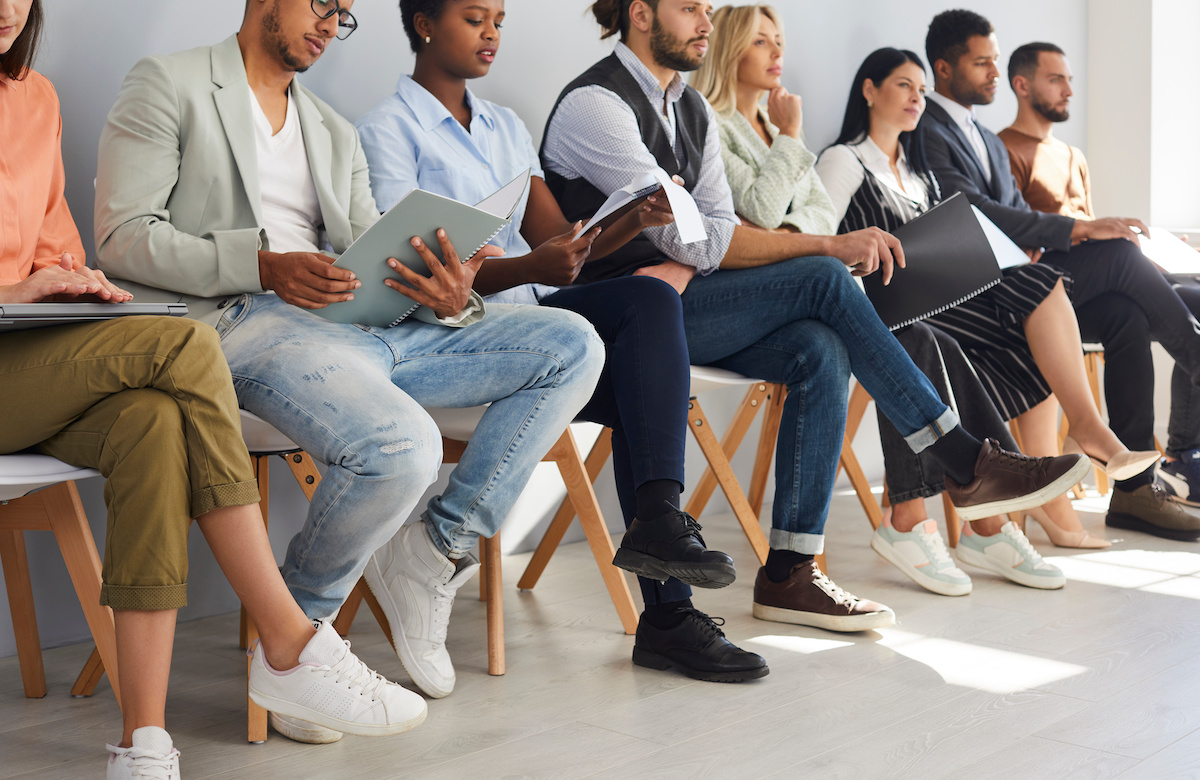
{"x": 666, "y": 615}
{"x": 652, "y": 494}
{"x": 957, "y": 452}
{"x": 1135, "y": 482}
{"x": 781, "y": 562}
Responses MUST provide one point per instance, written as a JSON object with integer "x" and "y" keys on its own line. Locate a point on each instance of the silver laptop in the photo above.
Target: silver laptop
{"x": 19, "y": 316}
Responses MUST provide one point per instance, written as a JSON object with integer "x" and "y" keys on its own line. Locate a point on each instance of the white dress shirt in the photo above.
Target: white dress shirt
{"x": 841, "y": 170}
{"x": 964, "y": 117}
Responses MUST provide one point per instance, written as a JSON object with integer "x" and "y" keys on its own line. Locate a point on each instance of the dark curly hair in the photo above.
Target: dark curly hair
{"x": 19, "y": 58}
{"x": 613, "y": 16}
{"x": 949, "y": 32}
{"x": 408, "y": 15}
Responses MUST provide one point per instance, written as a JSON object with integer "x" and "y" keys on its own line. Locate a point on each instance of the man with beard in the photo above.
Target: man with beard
{"x": 774, "y": 305}
{"x": 220, "y": 180}
{"x": 1120, "y": 299}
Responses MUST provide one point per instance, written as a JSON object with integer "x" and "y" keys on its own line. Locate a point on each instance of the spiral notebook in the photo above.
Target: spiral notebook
{"x": 419, "y": 213}
{"x": 949, "y": 259}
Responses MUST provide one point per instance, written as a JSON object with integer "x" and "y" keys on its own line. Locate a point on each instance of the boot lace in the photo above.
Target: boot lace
{"x": 710, "y": 625}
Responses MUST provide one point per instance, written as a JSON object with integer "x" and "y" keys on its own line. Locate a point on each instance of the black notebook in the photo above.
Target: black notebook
{"x": 948, "y": 260}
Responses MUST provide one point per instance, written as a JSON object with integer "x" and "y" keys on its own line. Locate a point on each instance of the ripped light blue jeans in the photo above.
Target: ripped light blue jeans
{"x": 353, "y": 398}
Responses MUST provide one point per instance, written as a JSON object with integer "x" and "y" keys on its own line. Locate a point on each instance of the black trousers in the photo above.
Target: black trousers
{"x": 644, "y": 388}
{"x": 1123, "y": 302}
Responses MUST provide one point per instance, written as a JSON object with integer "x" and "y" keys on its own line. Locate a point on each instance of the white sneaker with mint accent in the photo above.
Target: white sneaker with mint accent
{"x": 332, "y": 688}
{"x": 152, "y": 757}
{"x": 920, "y": 555}
{"x": 1010, "y": 555}
{"x": 415, "y": 585}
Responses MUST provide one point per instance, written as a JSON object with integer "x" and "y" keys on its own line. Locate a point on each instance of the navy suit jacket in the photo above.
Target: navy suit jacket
{"x": 959, "y": 169}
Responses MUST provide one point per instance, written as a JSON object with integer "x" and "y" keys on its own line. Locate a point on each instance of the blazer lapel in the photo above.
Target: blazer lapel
{"x": 233, "y": 105}
{"x": 937, "y": 112}
{"x": 996, "y": 153}
{"x": 319, "y": 146}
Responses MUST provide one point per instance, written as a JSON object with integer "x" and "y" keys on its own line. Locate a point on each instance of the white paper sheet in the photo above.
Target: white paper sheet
{"x": 1008, "y": 254}
{"x": 687, "y": 216}
{"x": 1170, "y": 254}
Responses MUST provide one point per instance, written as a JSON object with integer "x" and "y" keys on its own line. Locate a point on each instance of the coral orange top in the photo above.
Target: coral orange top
{"x": 35, "y": 223}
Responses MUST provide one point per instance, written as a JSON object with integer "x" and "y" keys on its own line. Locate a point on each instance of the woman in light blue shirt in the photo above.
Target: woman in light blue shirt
{"x": 433, "y": 133}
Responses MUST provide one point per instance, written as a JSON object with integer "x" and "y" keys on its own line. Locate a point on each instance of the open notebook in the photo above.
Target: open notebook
{"x": 949, "y": 259}
{"x": 20, "y": 316}
{"x": 419, "y": 213}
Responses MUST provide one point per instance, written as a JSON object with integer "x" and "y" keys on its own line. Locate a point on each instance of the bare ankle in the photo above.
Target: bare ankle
{"x": 907, "y": 515}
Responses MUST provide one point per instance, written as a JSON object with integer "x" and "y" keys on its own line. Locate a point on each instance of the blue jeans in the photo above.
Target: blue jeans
{"x": 352, "y": 397}
{"x": 805, "y": 323}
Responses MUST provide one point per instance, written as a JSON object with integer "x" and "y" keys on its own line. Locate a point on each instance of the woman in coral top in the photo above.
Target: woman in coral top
{"x": 149, "y": 402}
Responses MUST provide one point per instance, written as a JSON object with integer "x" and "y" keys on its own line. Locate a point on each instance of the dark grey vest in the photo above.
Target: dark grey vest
{"x": 580, "y": 200}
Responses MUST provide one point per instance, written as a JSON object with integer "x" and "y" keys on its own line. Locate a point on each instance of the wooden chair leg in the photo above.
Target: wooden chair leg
{"x": 725, "y": 477}
{"x": 767, "y": 438}
{"x": 20, "y": 601}
{"x": 756, "y": 397}
{"x": 1091, "y": 364}
{"x": 953, "y": 521}
{"x": 565, "y": 453}
{"x": 862, "y": 488}
{"x": 595, "y": 461}
{"x": 350, "y": 609}
{"x": 89, "y": 677}
{"x": 305, "y": 471}
{"x": 493, "y": 578}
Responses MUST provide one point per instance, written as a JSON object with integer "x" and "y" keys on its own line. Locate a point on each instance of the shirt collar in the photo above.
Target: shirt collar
{"x": 646, "y": 79}
{"x": 430, "y": 112}
{"x": 962, "y": 115}
{"x": 871, "y": 153}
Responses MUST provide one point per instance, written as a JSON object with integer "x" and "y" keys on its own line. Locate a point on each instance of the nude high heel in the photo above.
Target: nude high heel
{"x": 1060, "y": 537}
{"x": 1123, "y": 465}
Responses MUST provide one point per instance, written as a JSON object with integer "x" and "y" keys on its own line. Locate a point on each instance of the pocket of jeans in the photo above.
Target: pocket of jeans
{"x": 235, "y": 312}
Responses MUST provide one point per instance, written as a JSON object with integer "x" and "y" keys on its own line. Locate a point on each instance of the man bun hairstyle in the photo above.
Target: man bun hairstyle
{"x": 408, "y": 16}
{"x": 19, "y": 58}
{"x": 1024, "y": 61}
{"x": 613, "y": 16}
{"x": 949, "y": 32}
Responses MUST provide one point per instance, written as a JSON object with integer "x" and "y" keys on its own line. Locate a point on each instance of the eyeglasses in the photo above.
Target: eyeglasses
{"x": 346, "y": 21}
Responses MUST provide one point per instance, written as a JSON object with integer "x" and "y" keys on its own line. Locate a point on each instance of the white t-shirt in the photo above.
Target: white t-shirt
{"x": 290, "y": 209}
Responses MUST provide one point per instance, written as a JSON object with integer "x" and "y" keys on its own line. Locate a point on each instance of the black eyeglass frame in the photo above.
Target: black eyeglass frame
{"x": 346, "y": 20}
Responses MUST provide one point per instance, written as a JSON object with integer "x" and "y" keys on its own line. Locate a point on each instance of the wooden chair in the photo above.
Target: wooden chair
{"x": 37, "y": 493}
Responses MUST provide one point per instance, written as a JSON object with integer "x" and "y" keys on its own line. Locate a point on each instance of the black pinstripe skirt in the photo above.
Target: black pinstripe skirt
{"x": 989, "y": 329}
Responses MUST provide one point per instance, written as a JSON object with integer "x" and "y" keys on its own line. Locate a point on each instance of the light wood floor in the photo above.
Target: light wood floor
{"x": 1100, "y": 679}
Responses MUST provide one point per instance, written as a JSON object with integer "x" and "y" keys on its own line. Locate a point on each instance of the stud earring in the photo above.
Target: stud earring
{"x": 870, "y": 103}
{"x": 428, "y": 39}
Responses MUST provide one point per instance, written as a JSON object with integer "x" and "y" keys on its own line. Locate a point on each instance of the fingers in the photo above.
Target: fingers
{"x": 1141, "y": 226}
{"x": 66, "y": 262}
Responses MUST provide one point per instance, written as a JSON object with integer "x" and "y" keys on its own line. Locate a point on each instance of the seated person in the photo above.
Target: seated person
{"x": 419, "y": 137}
{"x": 1100, "y": 256}
{"x": 1053, "y": 177}
{"x": 748, "y": 44}
{"x": 768, "y": 305}
{"x": 133, "y": 396}
{"x": 220, "y": 177}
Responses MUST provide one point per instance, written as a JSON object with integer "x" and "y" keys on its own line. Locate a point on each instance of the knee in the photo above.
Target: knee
{"x": 572, "y": 342}
{"x": 1116, "y": 321}
{"x": 193, "y": 340}
{"x": 822, "y": 357}
{"x": 406, "y": 449}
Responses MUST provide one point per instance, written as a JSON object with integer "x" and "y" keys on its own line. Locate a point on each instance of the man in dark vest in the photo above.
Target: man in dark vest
{"x": 775, "y": 306}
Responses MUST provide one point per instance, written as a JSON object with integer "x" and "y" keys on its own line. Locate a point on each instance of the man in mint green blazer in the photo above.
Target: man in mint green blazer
{"x": 220, "y": 180}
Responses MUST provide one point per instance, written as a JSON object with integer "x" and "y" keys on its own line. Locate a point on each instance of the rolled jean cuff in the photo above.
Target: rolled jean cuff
{"x": 925, "y": 491}
{"x": 144, "y": 598}
{"x": 926, "y": 436}
{"x": 217, "y": 496}
{"x": 808, "y": 544}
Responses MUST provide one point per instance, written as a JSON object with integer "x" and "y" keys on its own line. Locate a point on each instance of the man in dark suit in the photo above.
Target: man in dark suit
{"x": 1120, "y": 298}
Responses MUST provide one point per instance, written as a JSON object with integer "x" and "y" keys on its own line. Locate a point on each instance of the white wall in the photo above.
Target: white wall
{"x": 89, "y": 48}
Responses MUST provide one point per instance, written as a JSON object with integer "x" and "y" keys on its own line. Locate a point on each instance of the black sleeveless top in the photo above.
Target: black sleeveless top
{"x": 579, "y": 200}
{"x": 874, "y": 205}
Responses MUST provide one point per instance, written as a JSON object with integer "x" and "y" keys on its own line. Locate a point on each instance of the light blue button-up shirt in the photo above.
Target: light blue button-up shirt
{"x": 412, "y": 141}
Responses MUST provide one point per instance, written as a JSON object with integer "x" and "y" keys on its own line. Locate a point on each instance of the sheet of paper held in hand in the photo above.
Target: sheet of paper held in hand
{"x": 1171, "y": 255}
{"x": 1008, "y": 254}
{"x": 687, "y": 216}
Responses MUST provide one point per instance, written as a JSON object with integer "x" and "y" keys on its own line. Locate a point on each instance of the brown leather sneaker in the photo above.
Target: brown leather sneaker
{"x": 1010, "y": 482}
{"x": 1152, "y": 510}
{"x": 809, "y": 598}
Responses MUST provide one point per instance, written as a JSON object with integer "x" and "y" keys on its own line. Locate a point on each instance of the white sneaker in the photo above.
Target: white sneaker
{"x": 920, "y": 555}
{"x": 415, "y": 585}
{"x": 1010, "y": 555}
{"x": 332, "y": 688}
{"x": 152, "y": 757}
{"x": 302, "y": 730}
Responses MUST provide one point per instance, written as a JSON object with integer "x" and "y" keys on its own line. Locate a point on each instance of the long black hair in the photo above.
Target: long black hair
{"x": 878, "y": 65}
{"x": 19, "y": 57}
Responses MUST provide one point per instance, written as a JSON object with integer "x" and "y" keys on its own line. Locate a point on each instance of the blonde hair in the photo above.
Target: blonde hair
{"x": 734, "y": 29}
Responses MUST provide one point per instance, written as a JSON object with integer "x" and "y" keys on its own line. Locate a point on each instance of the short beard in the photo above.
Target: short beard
{"x": 273, "y": 40}
{"x": 1048, "y": 111}
{"x": 964, "y": 94}
{"x": 669, "y": 53}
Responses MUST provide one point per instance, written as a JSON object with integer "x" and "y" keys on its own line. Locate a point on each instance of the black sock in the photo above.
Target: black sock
{"x": 1135, "y": 482}
{"x": 957, "y": 452}
{"x": 652, "y": 494}
{"x": 781, "y": 562}
{"x": 666, "y": 615}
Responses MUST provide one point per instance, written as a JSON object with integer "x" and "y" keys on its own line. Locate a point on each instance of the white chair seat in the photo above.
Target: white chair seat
{"x": 707, "y": 378}
{"x": 261, "y": 436}
{"x": 457, "y": 424}
{"x": 22, "y": 474}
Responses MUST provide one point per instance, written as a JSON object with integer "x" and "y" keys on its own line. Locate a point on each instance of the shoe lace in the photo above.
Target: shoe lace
{"x": 935, "y": 548}
{"x": 443, "y": 602}
{"x": 352, "y": 672}
{"x": 840, "y": 596}
{"x": 710, "y": 625}
{"x": 1022, "y": 543}
{"x": 1017, "y": 460}
{"x": 152, "y": 766}
{"x": 693, "y": 528}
